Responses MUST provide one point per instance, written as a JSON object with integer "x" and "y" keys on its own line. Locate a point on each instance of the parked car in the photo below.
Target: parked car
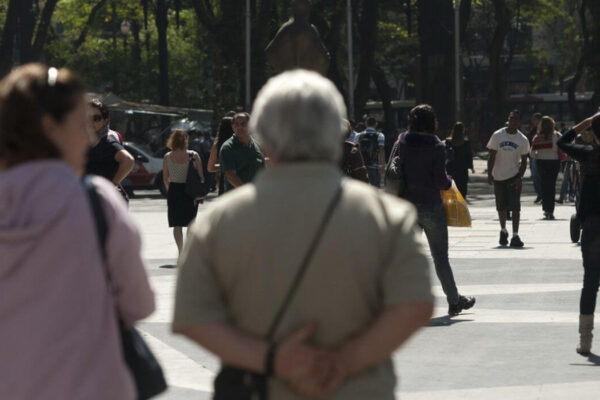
{"x": 147, "y": 171}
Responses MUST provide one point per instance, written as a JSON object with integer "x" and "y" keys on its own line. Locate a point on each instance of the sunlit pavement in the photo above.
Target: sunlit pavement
{"x": 518, "y": 342}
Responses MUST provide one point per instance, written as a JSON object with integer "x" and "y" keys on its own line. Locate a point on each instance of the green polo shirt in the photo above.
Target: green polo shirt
{"x": 245, "y": 160}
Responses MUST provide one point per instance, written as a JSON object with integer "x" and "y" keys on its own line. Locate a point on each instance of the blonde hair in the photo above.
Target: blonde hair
{"x": 179, "y": 139}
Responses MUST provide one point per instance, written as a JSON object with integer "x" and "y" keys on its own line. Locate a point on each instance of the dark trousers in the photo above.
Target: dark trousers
{"x": 432, "y": 218}
{"x": 462, "y": 182}
{"x": 548, "y": 172}
{"x": 590, "y": 249}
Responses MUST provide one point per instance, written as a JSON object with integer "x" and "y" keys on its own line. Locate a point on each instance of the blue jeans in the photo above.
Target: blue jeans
{"x": 432, "y": 219}
{"x": 374, "y": 176}
{"x": 535, "y": 176}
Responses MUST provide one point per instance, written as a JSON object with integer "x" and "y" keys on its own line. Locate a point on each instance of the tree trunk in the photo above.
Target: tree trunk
{"x": 81, "y": 38}
{"x": 367, "y": 39}
{"x": 161, "y": 17}
{"x": 593, "y": 56}
{"x": 26, "y": 27}
{"x": 7, "y": 42}
{"x": 497, "y": 76}
{"x": 385, "y": 92}
{"x": 572, "y": 86}
{"x": 434, "y": 83}
{"x": 42, "y": 29}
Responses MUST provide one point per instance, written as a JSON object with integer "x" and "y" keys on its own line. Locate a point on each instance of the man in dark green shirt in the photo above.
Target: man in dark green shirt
{"x": 240, "y": 156}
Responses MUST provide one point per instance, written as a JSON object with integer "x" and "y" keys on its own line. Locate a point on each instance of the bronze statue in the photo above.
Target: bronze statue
{"x": 297, "y": 44}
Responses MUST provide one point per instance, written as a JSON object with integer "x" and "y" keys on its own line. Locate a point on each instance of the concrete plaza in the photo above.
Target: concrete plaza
{"x": 518, "y": 342}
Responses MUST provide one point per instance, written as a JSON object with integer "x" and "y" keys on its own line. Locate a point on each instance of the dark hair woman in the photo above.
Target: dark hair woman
{"x": 56, "y": 301}
{"x": 544, "y": 150}
{"x": 224, "y": 133}
{"x": 423, "y": 158}
{"x": 181, "y": 208}
{"x": 352, "y": 163}
{"x": 459, "y": 158}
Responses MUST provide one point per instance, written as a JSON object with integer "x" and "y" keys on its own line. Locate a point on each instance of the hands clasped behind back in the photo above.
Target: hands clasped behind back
{"x": 311, "y": 371}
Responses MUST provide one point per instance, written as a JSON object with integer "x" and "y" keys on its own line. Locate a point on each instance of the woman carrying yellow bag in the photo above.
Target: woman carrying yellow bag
{"x": 419, "y": 157}
{"x": 455, "y": 206}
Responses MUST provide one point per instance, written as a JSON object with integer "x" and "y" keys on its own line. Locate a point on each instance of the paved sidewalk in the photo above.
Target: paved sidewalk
{"x": 518, "y": 342}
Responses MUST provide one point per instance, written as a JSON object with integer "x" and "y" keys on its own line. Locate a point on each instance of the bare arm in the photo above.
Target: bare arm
{"x": 382, "y": 158}
{"x": 199, "y": 168}
{"x": 490, "y": 165}
{"x": 126, "y": 163}
{"x": 165, "y": 172}
{"x": 393, "y": 327}
{"x": 212, "y": 159}
{"x": 523, "y": 166}
{"x": 232, "y": 177}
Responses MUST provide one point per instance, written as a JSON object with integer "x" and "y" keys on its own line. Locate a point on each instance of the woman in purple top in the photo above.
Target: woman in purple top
{"x": 58, "y": 331}
{"x": 424, "y": 165}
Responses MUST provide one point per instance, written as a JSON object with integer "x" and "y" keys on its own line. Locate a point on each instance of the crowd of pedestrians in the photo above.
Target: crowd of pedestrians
{"x": 256, "y": 270}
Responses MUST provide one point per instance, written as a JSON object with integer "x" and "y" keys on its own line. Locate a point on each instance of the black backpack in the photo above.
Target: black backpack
{"x": 369, "y": 148}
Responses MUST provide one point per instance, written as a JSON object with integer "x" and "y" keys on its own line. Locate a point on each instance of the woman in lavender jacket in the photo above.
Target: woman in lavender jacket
{"x": 424, "y": 164}
{"x": 58, "y": 329}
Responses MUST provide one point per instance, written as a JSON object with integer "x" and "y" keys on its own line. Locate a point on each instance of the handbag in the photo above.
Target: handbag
{"x": 234, "y": 383}
{"x": 145, "y": 369}
{"x": 394, "y": 179}
{"x": 194, "y": 187}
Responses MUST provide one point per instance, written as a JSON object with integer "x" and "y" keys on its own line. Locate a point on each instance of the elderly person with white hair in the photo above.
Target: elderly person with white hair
{"x": 345, "y": 257}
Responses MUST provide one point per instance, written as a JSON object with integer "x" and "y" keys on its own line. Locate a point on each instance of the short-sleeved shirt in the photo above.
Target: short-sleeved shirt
{"x": 245, "y": 160}
{"x": 510, "y": 149}
{"x": 101, "y": 158}
{"x": 370, "y": 257}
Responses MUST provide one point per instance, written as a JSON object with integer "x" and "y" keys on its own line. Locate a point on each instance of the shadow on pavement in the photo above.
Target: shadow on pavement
{"x": 511, "y": 248}
{"x": 168, "y": 266}
{"x": 446, "y": 320}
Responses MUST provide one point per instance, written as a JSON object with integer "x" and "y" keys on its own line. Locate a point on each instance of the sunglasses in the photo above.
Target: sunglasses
{"x": 96, "y": 118}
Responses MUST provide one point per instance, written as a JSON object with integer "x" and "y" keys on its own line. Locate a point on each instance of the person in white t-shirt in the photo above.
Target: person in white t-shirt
{"x": 507, "y": 163}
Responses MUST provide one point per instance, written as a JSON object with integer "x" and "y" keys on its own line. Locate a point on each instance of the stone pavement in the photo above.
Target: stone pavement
{"x": 518, "y": 342}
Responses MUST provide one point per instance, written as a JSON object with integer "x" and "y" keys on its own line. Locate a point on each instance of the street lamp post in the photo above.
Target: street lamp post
{"x": 248, "y": 55}
{"x": 457, "y": 79}
{"x": 350, "y": 62}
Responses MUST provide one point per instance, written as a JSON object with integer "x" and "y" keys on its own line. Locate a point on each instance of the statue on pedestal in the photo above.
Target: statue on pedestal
{"x": 297, "y": 44}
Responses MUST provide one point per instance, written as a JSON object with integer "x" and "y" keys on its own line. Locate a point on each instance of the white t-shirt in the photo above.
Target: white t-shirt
{"x": 510, "y": 149}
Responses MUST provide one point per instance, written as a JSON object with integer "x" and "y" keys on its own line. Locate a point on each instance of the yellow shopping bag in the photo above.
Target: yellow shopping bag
{"x": 457, "y": 212}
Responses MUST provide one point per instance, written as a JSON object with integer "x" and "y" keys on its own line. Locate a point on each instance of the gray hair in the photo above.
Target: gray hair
{"x": 298, "y": 116}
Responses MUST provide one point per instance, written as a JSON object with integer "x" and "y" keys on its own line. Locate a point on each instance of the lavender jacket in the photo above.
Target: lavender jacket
{"x": 58, "y": 326}
{"x": 424, "y": 167}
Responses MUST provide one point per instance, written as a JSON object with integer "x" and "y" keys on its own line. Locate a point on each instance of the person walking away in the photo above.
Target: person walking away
{"x": 181, "y": 208}
{"x": 107, "y": 158}
{"x": 535, "y": 176}
{"x": 372, "y": 149}
{"x": 462, "y": 157}
{"x": 60, "y": 338}
{"x": 589, "y": 216}
{"x": 352, "y": 163}
{"x": 507, "y": 163}
{"x": 331, "y": 344}
{"x": 544, "y": 151}
{"x": 224, "y": 133}
{"x": 240, "y": 155}
{"x": 424, "y": 165}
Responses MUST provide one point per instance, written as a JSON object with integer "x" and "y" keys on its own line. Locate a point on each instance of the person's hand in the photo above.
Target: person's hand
{"x": 472, "y": 170}
{"x": 490, "y": 179}
{"x": 309, "y": 370}
{"x": 518, "y": 184}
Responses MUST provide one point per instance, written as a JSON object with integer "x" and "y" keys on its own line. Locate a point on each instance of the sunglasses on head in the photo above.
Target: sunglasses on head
{"x": 96, "y": 118}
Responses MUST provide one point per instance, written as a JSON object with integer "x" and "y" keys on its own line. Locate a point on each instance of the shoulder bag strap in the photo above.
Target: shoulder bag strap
{"x": 305, "y": 264}
{"x": 98, "y": 213}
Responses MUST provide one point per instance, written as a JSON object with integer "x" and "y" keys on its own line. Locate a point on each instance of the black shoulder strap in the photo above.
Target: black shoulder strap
{"x": 98, "y": 213}
{"x": 304, "y": 265}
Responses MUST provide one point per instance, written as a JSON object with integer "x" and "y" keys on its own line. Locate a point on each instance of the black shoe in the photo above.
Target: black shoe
{"x": 503, "y": 238}
{"x": 516, "y": 242}
{"x": 537, "y": 200}
{"x": 464, "y": 303}
{"x": 559, "y": 201}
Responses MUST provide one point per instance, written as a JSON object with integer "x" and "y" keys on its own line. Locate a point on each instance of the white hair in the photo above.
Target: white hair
{"x": 298, "y": 116}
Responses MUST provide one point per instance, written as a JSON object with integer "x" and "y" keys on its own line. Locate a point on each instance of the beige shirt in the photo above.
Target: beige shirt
{"x": 244, "y": 251}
